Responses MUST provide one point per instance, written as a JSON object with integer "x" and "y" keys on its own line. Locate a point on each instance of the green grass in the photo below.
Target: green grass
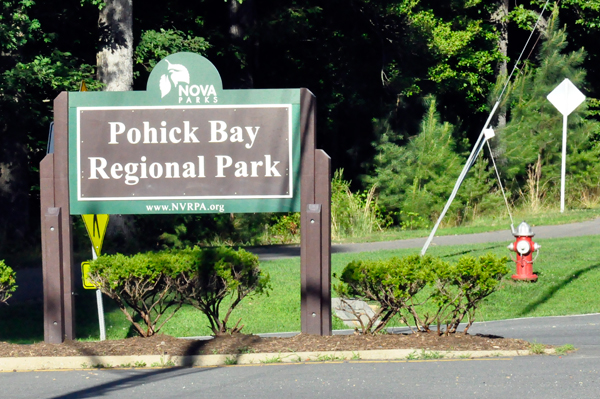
{"x": 537, "y": 348}
{"x": 568, "y": 271}
{"x": 564, "y": 349}
{"x": 425, "y": 355}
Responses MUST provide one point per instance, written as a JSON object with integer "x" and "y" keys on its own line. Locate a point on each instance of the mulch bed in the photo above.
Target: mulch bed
{"x": 241, "y": 343}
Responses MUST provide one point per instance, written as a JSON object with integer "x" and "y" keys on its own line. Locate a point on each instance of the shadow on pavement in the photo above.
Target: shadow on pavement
{"x": 128, "y": 382}
{"x": 140, "y": 377}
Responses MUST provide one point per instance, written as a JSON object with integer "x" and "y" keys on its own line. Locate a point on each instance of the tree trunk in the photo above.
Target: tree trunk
{"x": 115, "y": 52}
{"x": 500, "y": 17}
{"x": 115, "y": 69}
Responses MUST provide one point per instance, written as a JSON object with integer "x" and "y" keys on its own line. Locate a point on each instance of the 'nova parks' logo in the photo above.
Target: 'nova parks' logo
{"x": 178, "y": 78}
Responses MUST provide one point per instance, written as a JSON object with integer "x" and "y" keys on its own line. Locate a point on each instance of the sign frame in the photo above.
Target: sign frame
{"x": 312, "y": 184}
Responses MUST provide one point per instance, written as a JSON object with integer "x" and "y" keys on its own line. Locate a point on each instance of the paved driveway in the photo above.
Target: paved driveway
{"x": 591, "y": 227}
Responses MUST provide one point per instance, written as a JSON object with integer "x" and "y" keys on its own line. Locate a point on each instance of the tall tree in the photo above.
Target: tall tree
{"x": 115, "y": 48}
{"x": 115, "y": 69}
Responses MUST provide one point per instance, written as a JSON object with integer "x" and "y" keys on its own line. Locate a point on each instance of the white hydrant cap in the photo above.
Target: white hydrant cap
{"x": 524, "y": 230}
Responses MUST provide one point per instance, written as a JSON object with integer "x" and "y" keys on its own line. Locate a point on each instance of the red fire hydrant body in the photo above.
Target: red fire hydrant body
{"x": 524, "y": 247}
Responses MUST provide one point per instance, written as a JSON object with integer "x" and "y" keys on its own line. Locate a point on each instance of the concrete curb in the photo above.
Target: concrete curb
{"x": 8, "y": 364}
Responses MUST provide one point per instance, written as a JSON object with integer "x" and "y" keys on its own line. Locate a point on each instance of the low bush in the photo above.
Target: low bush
{"x": 460, "y": 288}
{"x": 7, "y": 282}
{"x": 392, "y": 283}
{"x": 142, "y": 285}
{"x": 401, "y": 286}
{"x": 220, "y": 273}
{"x": 150, "y": 288}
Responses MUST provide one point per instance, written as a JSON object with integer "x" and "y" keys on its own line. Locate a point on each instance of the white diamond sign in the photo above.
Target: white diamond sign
{"x": 566, "y": 97}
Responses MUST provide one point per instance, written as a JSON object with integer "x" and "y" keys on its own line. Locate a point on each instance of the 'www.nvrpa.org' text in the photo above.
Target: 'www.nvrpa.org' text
{"x": 187, "y": 207}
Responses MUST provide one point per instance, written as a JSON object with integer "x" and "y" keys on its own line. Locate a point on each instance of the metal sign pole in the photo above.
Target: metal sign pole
{"x": 563, "y": 169}
{"x": 565, "y": 97}
{"x": 100, "y": 305}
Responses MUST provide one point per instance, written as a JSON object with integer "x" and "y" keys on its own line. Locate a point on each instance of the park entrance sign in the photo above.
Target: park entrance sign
{"x": 185, "y": 145}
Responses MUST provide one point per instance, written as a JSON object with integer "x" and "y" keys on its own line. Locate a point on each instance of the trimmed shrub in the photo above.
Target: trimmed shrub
{"x": 220, "y": 273}
{"x": 456, "y": 290}
{"x": 150, "y": 288}
{"x": 392, "y": 283}
{"x": 460, "y": 288}
{"x": 143, "y": 283}
{"x": 7, "y": 282}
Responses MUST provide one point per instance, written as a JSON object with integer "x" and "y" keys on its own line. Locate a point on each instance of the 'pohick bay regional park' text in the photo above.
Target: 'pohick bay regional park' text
{"x": 185, "y": 134}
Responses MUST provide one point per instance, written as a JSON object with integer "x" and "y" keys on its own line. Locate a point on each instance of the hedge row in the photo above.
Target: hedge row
{"x": 152, "y": 287}
{"x": 402, "y": 286}
{"x": 7, "y": 282}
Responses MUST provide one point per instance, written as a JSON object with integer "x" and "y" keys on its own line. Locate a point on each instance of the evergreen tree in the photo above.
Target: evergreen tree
{"x": 417, "y": 179}
{"x": 532, "y": 139}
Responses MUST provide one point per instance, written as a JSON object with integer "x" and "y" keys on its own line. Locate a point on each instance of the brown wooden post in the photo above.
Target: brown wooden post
{"x": 323, "y": 197}
{"x": 54, "y": 194}
{"x": 54, "y": 326}
{"x": 315, "y": 246}
{"x": 313, "y": 289}
{"x": 307, "y": 193}
{"x": 61, "y": 198}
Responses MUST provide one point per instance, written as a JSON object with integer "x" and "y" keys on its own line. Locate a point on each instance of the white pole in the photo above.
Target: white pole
{"x": 100, "y": 305}
{"x": 563, "y": 169}
{"x": 474, "y": 153}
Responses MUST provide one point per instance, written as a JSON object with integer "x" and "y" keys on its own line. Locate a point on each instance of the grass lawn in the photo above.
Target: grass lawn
{"x": 568, "y": 270}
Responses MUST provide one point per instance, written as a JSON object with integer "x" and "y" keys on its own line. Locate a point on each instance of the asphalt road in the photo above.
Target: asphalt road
{"x": 576, "y": 375}
{"x": 591, "y": 227}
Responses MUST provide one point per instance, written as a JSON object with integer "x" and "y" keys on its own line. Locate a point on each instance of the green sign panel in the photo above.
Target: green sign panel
{"x": 184, "y": 145}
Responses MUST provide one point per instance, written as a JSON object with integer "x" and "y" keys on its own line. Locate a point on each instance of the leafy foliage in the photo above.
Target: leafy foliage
{"x": 353, "y": 214}
{"x": 143, "y": 283}
{"x": 400, "y": 286}
{"x": 417, "y": 178}
{"x": 285, "y": 228}
{"x": 156, "y": 45}
{"x": 7, "y": 281}
{"x": 150, "y": 288}
{"x": 458, "y": 289}
{"x": 366, "y": 61}
{"x": 218, "y": 274}
{"x": 530, "y": 146}
{"x": 392, "y": 283}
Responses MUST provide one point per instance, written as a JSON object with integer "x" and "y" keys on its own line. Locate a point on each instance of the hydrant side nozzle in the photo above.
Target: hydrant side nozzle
{"x": 511, "y": 246}
{"x": 536, "y": 246}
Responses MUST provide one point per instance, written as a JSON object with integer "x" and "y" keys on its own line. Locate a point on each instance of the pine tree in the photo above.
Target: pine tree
{"x": 417, "y": 179}
{"x": 532, "y": 139}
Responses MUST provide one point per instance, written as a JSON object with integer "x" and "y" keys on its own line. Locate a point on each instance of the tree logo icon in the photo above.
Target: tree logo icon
{"x": 177, "y": 74}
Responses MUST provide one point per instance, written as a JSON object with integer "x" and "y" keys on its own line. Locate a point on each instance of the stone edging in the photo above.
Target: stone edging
{"x": 8, "y": 364}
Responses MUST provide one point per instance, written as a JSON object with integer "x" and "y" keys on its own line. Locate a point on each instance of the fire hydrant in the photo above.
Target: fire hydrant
{"x": 524, "y": 247}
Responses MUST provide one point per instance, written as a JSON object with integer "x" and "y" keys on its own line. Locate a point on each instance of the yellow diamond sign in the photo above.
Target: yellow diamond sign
{"x": 96, "y": 228}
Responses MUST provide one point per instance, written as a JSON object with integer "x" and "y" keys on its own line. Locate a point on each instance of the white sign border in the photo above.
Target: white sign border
{"x": 170, "y": 107}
